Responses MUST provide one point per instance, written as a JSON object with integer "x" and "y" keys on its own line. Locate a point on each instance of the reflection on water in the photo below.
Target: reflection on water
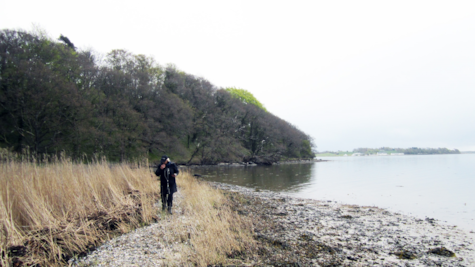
{"x": 285, "y": 178}
{"x": 436, "y": 186}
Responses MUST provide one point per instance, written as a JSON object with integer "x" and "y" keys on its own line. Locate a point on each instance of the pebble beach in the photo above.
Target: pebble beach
{"x": 291, "y": 231}
{"x": 350, "y": 235}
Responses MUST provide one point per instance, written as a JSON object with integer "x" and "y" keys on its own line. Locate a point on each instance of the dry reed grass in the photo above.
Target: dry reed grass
{"x": 52, "y": 212}
{"x": 210, "y": 231}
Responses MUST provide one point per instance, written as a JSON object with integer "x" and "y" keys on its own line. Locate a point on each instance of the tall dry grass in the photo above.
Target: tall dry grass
{"x": 60, "y": 209}
{"x": 53, "y": 211}
{"x": 210, "y": 230}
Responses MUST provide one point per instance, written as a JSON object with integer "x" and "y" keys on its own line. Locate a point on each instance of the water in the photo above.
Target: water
{"x": 434, "y": 186}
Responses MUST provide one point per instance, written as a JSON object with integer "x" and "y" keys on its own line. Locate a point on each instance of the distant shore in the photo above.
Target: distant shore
{"x": 350, "y": 154}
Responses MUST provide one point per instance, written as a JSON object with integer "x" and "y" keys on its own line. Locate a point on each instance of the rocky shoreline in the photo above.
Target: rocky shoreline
{"x": 290, "y": 231}
{"x": 305, "y": 232}
{"x": 251, "y": 163}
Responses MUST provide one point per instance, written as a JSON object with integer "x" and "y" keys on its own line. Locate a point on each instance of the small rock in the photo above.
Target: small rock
{"x": 407, "y": 255}
{"x": 442, "y": 251}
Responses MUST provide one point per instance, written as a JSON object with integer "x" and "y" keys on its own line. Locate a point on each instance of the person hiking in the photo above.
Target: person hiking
{"x": 167, "y": 171}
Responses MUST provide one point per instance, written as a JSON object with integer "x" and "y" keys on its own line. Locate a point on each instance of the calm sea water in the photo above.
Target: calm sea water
{"x": 434, "y": 186}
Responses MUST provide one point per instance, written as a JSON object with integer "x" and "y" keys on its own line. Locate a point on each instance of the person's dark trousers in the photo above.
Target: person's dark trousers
{"x": 168, "y": 199}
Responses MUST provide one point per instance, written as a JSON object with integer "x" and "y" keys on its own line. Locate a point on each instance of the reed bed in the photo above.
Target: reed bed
{"x": 54, "y": 211}
{"x": 210, "y": 231}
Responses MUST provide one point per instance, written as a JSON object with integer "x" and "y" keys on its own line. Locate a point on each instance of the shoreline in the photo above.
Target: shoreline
{"x": 291, "y": 231}
{"x": 351, "y": 235}
{"x": 251, "y": 164}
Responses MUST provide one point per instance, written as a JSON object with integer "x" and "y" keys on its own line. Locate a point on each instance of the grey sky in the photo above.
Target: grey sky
{"x": 349, "y": 73}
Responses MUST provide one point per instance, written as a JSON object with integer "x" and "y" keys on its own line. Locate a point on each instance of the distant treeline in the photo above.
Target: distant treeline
{"x": 407, "y": 151}
{"x": 55, "y": 98}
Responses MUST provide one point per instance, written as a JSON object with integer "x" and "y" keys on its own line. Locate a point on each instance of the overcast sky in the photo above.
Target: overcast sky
{"x": 348, "y": 73}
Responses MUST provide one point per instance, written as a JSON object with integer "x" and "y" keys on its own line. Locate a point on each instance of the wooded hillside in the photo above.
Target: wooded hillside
{"x": 55, "y": 98}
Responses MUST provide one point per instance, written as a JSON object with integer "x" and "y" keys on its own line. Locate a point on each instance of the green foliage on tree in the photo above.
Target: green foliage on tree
{"x": 245, "y": 96}
{"x": 306, "y": 150}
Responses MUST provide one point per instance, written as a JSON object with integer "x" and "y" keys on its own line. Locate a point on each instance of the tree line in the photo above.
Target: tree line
{"x": 55, "y": 98}
{"x": 407, "y": 151}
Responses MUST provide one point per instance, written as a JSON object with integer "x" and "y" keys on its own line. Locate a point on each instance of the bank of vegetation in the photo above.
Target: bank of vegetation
{"x": 407, "y": 151}
{"x": 57, "y": 210}
{"x": 389, "y": 151}
{"x": 55, "y": 98}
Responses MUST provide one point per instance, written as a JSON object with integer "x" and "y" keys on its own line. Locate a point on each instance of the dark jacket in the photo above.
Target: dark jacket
{"x": 173, "y": 169}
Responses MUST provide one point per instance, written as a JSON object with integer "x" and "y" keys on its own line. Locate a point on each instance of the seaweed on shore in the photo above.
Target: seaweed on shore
{"x": 273, "y": 248}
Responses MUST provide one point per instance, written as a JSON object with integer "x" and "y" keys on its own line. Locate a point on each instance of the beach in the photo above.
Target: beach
{"x": 292, "y": 231}
{"x": 324, "y": 233}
